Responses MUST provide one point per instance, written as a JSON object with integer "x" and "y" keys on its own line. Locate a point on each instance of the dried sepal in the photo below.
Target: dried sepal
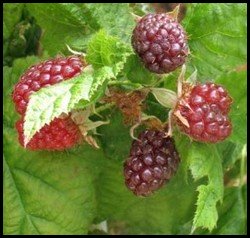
{"x": 81, "y": 118}
{"x": 181, "y": 118}
{"x": 129, "y": 103}
{"x": 136, "y": 17}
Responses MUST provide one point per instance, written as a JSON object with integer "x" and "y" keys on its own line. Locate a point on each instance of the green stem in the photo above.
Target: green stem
{"x": 162, "y": 78}
{"x": 104, "y": 107}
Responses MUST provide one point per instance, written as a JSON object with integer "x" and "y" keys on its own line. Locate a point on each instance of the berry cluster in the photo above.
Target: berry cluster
{"x": 201, "y": 111}
{"x": 60, "y": 133}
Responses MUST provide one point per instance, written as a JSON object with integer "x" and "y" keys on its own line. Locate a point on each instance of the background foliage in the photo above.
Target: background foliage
{"x": 67, "y": 192}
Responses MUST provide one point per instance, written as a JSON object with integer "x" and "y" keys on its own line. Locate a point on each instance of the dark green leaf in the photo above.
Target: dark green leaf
{"x": 116, "y": 19}
{"x": 217, "y": 37}
{"x": 232, "y": 213}
{"x": 62, "y": 23}
{"x": 11, "y": 16}
{"x": 115, "y": 145}
{"x": 137, "y": 73}
{"x": 236, "y": 84}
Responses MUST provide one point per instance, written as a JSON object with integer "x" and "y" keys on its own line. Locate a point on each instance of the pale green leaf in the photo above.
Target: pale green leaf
{"x": 106, "y": 50}
{"x": 204, "y": 161}
{"x": 164, "y": 96}
{"x": 48, "y": 192}
{"x": 142, "y": 9}
{"x": 206, "y": 214}
{"x": 232, "y": 214}
{"x": 61, "y": 98}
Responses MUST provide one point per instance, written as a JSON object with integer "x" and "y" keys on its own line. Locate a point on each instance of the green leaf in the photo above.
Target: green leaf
{"x": 137, "y": 73}
{"x": 217, "y": 37}
{"x": 141, "y": 9}
{"x": 63, "y": 23}
{"x": 115, "y": 145}
{"x": 105, "y": 50}
{"x": 116, "y": 19}
{"x": 61, "y": 98}
{"x": 206, "y": 213}
{"x": 48, "y": 192}
{"x": 203, "y": 165}
{"x": 236, "y": 84}
{"x": 229, "y": 152}
{"x": 11, "y": 16}
{"x": 95, "y": 96}
{"x": 156, "y": 109}
{"x": 232, "y": 213}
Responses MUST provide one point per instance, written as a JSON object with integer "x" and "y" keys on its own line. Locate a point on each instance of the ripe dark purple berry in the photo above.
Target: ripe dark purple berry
{"x": 152, "y": 162}
{"x": 161, "y": 43}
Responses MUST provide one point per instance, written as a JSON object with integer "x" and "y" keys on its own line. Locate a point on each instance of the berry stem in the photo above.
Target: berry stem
{"x": 170, "y": 126}
{"x": 132, "y": 129}
{"x": 180, "y": 80}
{"x": 162, "y": 78}
{"x": 104, "y": 107}
{"x": 75, "y": 52}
